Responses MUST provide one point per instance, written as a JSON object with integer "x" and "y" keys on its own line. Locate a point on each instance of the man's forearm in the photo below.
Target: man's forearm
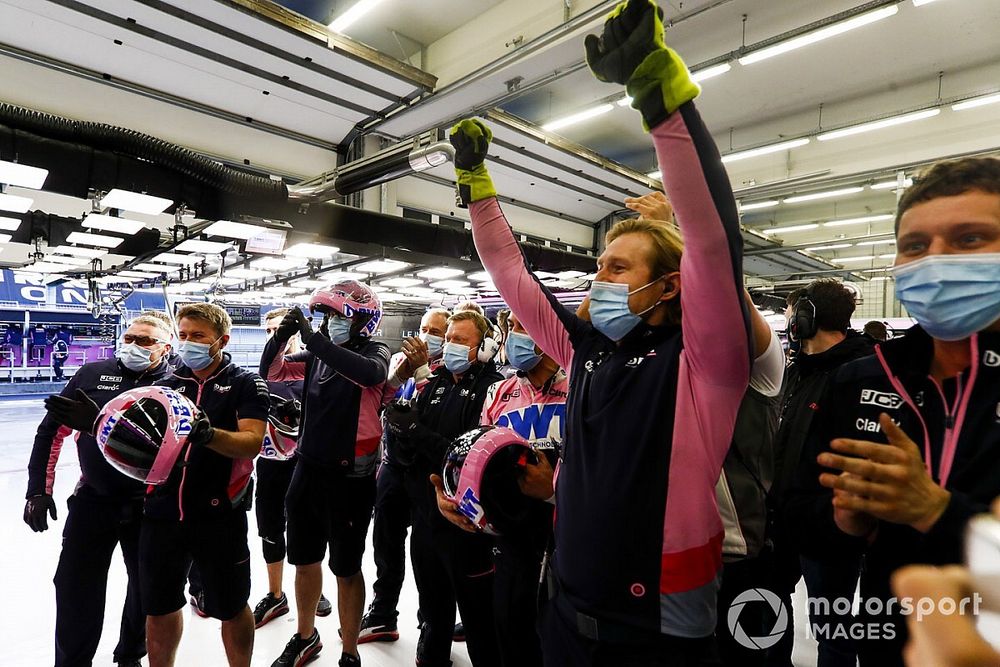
{"x": 236, "y": 444}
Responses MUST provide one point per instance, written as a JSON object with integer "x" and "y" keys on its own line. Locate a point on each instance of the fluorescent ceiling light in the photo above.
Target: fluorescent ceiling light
{"x": 233, "y": 230}
{"x": 654, "y": 174}
{"x": 110, "y": 224}
{"x": 858, "y": 221}
{"x": 976, "y": 102}
{"x": 15, "y": 203}
{"x": 225, "y": 280}
{"x": 891, "y": 185}
{"x": 64, "y": 259}
{"x": 879, "y": 124}
{"x": 278, "y": 263}
{"x": 880, "y": 270}
{"x": 81, "y": 252}
{"x": 381, "y": 266}
{"x": 5, "y": 238}
{"x": 835, "y": 246}
{"x": 753, "y": 206}
{"x": 818, "y": 35}
{"x": 48, "y": 267}
{"x": 10, "y": 224}
{"x": 353, "y": 13}
{"x": 569, "y": 275}
{"x": 709, "y": 72}
{"x": 286, "y": 289}
{"x": 401, "y": 282}
{"x": 138, "y": 274}
{"x": 247, "y": 273}
{"x": 439, "y": 273}
{"x": 450, "y": 284}
{"x": 344, "y": 275}
{"x": 197, "y": 245}
{"x": 878, "y": 278}
{"x": 311, "y": 283}
{"x": 479, "y": 276}
{"x": 890, "y": 255}
{"x": 21, "y": 175}
{"x": 812, "y": 196}
{"x": 882, "y": 242}
{"x": 765, "y": 150}
{"x": 793, "y": 228}
{"x": 918, "y": 3}
{"x": 136, "y": 202}
{"x": 388, "y": 296}
{"x": 174, "y": 258}
{"x": 586, "y": 114}
{"x": 95, "y": 239}
{"x": 423, "y": 291}
{"x": 859, "y": 258}
{"x": 311, "y": 250}
{"x": 157, "y": 268}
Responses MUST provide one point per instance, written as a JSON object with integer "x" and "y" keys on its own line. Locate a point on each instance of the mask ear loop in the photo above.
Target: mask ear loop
{"x": 658, "y": 301}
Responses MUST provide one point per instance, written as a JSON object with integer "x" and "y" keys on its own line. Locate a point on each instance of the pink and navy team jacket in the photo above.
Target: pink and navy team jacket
{"x": 649, "y": 420}
{"x": 533, "y": 413}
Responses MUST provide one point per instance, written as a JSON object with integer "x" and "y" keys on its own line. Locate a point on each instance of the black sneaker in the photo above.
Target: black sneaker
{"x": 198, "y": 602}
{"x": 377, "y": 629}
{"x": 348, "y": 660}
{"x": 299, "y": 651}
{"x": 269, "y": 609}
{"x": 128, "y": 663}
{"x": 323, "y": 607}
{"x": 458, "y": 635}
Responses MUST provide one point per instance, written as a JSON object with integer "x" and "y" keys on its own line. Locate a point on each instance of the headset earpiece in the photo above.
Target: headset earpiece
{"x": 487, "y": 349}
{"x": 802, "y": 326}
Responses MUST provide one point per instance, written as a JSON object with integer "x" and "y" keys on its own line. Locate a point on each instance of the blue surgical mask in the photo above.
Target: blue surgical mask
{"x": 456, "y": 357}
{"x": 521, "y": 351}
{"x": 340, "y": 329}
{"x": 196, "y": 356}
{"x": 609, "y": 311}
{"x": 135, "y": 357}
{"x": 434, "y": 344}
{"x": 951, "y": 296}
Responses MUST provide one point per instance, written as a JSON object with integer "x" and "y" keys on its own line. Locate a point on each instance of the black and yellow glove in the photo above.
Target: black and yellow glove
{"x": 471, "y": 139}
{"x": 632, "y": 51}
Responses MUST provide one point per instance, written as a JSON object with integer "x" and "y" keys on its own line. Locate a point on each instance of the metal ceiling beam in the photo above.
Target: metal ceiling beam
{"x": 803, "y": 246}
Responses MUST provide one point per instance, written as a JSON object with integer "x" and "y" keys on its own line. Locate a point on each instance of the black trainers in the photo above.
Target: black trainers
{"x": 348, "y": 660}
{"x": 269, "y": 609}
{"x": 128, "y": 663}
{"x": 323, "y": 607}
{"x": 198, "y": 602}
{"x": 377, "y": 629}
{"x": 458, "y": 635}
{"x": 299, "y": 651}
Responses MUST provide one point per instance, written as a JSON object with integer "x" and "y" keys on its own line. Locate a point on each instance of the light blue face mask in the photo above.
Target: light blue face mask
{"x": 951, "y": 296}
{"x": 196, "y": 355}
{"x": 434, "y": 344}
{"x": 456, "y": 357}
{"x": 340, "y": 329}
{"x": 520, "y": 350}
{"x": 135, "y": 357}
{"x": 609, "y": 311}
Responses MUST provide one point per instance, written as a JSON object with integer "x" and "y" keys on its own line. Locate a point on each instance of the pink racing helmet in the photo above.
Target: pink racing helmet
{"x": 480, "y": 474}
{"x": 351, "y": 299}
{"x": 141, "y": 432}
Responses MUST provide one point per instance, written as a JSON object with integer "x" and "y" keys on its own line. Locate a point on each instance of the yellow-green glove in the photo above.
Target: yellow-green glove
{"x": 471, "y": 139}
{"x": 632, "y": 51}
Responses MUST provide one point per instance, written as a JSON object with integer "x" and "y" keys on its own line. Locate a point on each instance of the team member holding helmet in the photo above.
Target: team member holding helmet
{"x": 638, "y": 534}
{"x": 105, "y": 508}
{"x": 449, "y": 565}
{"x": 332, "y": 491}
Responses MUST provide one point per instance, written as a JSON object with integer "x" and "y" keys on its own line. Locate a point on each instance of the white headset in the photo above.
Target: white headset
{"x": 488, "y": 348}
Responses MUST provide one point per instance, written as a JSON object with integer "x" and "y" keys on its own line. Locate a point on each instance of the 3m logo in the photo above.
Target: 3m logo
{"x": 880, "y": 399}
{"x": 991, "y": 359}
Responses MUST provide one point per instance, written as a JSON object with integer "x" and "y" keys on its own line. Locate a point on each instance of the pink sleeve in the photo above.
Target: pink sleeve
{"x": 284, "y": 368}
{"x": 542, "y": 316}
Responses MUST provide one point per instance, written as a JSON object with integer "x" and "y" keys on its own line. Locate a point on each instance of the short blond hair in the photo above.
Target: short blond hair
{"x": 277, "y": 312}
{"x": 665, "y": 252}
{"x": 207, "y": 312}
{"x": 155, "y": 319}
{"x": 482, "y": 324}
{"x": 470, "y": 306}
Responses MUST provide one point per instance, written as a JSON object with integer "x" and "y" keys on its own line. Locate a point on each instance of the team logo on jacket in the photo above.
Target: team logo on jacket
{"x": 221, "y": 390}
{"x": 881, "y": 399}
{"x": 634, "y": 362}
{"x": 111, "y": 378}
{"x": 991, "y": 359}
{"x": 534, "y": 421}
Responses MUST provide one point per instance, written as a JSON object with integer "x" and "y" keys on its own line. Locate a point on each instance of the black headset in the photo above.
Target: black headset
{"x": 802, "y": 326}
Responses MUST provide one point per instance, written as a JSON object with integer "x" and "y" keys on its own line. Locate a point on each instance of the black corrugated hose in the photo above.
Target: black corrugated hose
{"x": 146, "y": 147}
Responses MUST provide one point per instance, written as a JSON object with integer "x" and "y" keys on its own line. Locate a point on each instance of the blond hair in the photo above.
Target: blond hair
{"x": 155, "y": 319}
{"x": 664, "y": 254}
{"x": 470, "y": 306}
{"x": 207, "y": 312}
{"x": 277, "y": 312}
{"x": 482, "y": 324}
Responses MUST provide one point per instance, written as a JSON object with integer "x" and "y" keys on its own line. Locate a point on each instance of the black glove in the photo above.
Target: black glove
{"x": 296, "y": 321}
{"x": 35, "y": 510}
{"x": 202, "y": 431}
{"x": 80, "y": 414}
{"x": 286, "y": 329}
{"x": 402, "y": 419}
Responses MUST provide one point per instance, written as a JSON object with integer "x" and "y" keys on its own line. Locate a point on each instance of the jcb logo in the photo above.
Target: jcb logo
{"x": 880, "y": 399}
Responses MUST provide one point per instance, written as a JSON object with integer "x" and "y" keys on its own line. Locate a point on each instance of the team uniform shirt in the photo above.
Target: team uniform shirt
{"x": 649, "y": 420}
{"x": 407, "y": 390}
{"x": 101, "y": 381}
{"x": 342, "y": 397}
{"x": 209, "y": 483}
{"x": 533, "y": 413}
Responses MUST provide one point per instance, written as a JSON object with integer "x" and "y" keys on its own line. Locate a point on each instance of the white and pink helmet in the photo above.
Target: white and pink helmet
{"x": 141, "y": 432}
{"x": 351, "y": 299}
{"x": 480, "y": 474}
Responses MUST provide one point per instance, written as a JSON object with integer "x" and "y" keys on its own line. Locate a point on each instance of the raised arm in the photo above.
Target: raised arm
{"x": 276, "y": 366}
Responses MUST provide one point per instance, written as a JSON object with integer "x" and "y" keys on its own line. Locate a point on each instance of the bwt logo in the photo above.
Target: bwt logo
{"x": 470, "y": 507}
{"x": 880, "y": 399}
{"x": 757, "y": 596}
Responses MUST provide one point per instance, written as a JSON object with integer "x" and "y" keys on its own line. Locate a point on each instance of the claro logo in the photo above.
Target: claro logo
{"x": 880, "y": 399}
